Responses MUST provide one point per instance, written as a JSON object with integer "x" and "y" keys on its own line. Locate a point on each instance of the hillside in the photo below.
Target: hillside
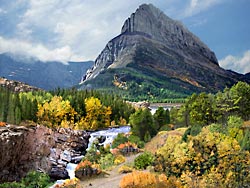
{"x": 156, "y": 57}
{"x": 16, "y": 86}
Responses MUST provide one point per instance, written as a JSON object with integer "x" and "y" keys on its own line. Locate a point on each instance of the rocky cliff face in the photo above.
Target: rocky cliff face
{"x": 38, "y": 148}
{"x": 152, "y": 22}
{"x": 152, "y": 43}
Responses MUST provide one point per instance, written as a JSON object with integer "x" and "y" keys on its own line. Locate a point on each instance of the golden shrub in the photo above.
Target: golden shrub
{"x": 125, "y": 169}
{"x": 69, "y": 183}
{"x": 149, "y": 180}
{"x": 119, "y": 159}
{"x": 138, "y": 179}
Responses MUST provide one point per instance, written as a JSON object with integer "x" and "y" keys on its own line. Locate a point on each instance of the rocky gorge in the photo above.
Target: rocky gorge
{"x": 39, "y": 148}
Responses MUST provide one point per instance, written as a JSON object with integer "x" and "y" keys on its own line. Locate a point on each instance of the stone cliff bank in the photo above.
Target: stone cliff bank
{"x": 23, "y": 149}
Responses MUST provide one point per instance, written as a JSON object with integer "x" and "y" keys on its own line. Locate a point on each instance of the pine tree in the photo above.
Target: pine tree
{"x": 17, "y": 115}
{"x": 167, "y": 116}
{"x": 33, "y": 110}
{"x": 160, "y": 118}
{"x": 142, "y": 122}
{"x": 5, "y": 94}
{"x": 11, "y": 110}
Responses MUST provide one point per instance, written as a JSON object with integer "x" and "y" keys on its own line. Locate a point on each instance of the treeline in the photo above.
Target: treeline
{"x": 15, "y": 108}
{"x": 145, "y": 126}
{"x": 224, "y": 112}
{"x": 63, "y": 107}
{"x": 204, "y": 109}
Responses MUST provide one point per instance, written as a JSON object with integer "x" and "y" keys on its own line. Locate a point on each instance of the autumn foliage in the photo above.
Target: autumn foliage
{"x": 146, "y": 179}
{"x": 127, "y": 148}
{"x": 208, "y": 159}
{"x": 87, "y": 169}
{"x": 69, "y": 183}
{"x": 57, "y": 112}
{"x": 2, "y": 124}
{"x": 83, "y": 164}
{"x": 97, "y": 115}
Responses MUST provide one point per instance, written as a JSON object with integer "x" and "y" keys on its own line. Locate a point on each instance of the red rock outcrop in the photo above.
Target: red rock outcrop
{"x": 38, "y": 148}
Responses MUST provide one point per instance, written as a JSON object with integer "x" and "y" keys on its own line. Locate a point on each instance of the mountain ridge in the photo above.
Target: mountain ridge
{"x": 45, "y": 75}
{"x": 152, "y": 43}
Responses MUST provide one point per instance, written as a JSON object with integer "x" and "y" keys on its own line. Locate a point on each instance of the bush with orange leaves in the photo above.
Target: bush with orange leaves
{"x": 83, "y": 164}
{"x": 86, "y": 169}
{"x": 2, "y": 124}
{"x": 127, "y": 148}
{"x": 147, "y": 179}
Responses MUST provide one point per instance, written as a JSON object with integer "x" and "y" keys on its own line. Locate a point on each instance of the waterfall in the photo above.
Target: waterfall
{"x": 107, "y": 136}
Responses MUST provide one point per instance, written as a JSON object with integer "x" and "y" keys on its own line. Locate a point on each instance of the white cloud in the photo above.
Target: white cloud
{"x": 15, "y": 46}
{"x": 197, "y": 6}
{"x": 84, "y": 27}
{"x": 239, "y": 64}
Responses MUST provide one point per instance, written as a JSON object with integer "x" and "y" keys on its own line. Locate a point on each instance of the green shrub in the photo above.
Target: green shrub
{"x": 32, "y": 179}
{"x": 144, "y": 160}
{"x": 136, "y": 140}
{"x": 245, "y": 145}
{"x": 215, "y": 127}
{"x": 11, "y": 185}
{"x": 36, "y": 179}
{"x": 120, "y": 139}
{"x": 193, "y": 131}
{"x": 92, "y": 154}
{"x": 107, "y": 161}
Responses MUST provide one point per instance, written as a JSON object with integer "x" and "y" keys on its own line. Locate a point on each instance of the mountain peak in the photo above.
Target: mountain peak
{"x": 157, "y": 52}
{"x": 153, "y": 23}
{"x": 141, "y": 20}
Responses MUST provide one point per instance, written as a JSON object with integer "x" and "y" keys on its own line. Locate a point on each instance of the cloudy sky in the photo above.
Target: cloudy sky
{"x": 77, "y": 30}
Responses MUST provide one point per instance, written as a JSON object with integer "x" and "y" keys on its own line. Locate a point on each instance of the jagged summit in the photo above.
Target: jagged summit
{"x": 155, "y": 49}
{"x": 136, "y": 21}
{"x": 156, "y": 25}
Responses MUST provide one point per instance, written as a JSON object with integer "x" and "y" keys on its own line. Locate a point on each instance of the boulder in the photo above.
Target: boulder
{"x": 57, "y": 173}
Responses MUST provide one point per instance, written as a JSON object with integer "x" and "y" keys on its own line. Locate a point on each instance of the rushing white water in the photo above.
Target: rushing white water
{"x": 71, "y": 169}
{"x": 109, "y": 135}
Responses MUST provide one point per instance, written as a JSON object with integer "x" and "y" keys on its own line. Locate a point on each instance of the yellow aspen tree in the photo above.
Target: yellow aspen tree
{"x": 97, "y": 115}
{"x": 57, "y": 112}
